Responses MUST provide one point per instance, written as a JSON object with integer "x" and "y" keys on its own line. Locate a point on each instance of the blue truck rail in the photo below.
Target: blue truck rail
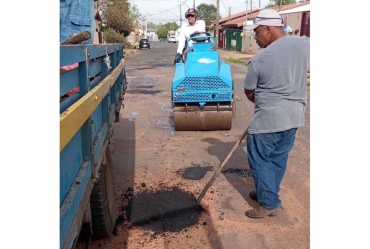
{"x": 86, "y": 124}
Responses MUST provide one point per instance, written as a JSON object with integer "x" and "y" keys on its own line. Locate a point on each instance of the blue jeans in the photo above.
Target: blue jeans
{"x": 76, "y": 16}
{"x": 267, "y": 158}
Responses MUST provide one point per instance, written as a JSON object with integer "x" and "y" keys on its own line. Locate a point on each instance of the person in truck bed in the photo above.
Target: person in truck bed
{"x": 75, "y": 17}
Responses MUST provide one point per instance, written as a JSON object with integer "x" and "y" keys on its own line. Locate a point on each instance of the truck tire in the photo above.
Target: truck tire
{"x": 103, "y": 200}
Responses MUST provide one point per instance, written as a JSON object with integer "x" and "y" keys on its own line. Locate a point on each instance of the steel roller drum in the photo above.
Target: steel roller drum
{"x": 192, "y": 118}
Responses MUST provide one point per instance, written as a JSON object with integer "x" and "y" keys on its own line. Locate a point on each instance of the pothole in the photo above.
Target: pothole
{"x": 239, "y": 172}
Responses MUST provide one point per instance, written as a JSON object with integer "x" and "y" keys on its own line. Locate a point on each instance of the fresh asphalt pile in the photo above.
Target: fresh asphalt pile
{"x": 163, "y": 209}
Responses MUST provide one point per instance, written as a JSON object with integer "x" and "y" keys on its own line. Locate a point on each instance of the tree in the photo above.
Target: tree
{"x": 119, "y": 15}
{"x": 277, "y": 3}
{"x": 162, "y": 29}
{"x": 151, "y": 25}
{"x": 172, "y": 26}
{"x": 207, "y": 12}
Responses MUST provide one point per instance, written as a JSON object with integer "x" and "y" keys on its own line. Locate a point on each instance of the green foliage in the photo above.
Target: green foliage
{"x": 277, "y": 3}
{"x": 236, "y": 61}
{"x": 171, "y": 26}
{"x": 162, "y": 29}
{"x": 162, "y": 32}
{"x": 207, "y": 13}
{"x": 111, "y": 36}
{"x": 119, "y": 15}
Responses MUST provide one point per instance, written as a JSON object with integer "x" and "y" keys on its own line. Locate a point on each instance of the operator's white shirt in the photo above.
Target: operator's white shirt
{"x": 187, "y": 30}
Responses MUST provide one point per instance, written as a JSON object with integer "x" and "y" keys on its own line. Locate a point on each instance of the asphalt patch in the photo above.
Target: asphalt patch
{"x": 145, "y": 86}
{"x": 239, "y": 172}
{"x": 165, "y": 210}
{"x": 162, "y": 64}
{"x": 144, "y": 91}
{"x": 141, "y": 80}
{"x": 196, "y": 173}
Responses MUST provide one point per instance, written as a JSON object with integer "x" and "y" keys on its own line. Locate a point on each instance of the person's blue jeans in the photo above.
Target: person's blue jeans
{"x": 76, "y": 16}
{"x": 267, "y": 158}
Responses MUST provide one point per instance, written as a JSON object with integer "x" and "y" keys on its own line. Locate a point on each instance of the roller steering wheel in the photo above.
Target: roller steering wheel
{"x": 203, "y": 37}
{"x": 197, "y": 33}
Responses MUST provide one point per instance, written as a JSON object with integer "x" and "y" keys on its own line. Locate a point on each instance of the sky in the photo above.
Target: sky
{"x": 162, "y": 11}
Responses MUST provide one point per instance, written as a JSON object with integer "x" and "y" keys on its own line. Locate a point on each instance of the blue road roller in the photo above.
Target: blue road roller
{"x": 202, "y": 87}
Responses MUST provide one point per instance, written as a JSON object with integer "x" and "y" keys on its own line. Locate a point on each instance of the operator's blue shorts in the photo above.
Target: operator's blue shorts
{"x": 76, "y": 16}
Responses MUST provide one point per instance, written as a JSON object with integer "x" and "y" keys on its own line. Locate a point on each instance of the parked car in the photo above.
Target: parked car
{"x": 172, "y": 39}
{"x": 144, "y": 43}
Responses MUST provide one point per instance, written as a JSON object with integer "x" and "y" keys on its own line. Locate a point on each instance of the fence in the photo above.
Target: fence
{"x": 234, "y": 39}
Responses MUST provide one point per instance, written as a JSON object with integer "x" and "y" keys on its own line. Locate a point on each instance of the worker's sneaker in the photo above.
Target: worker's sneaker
{"x": 262, "y": 212}
{"x": 253, "y": 195}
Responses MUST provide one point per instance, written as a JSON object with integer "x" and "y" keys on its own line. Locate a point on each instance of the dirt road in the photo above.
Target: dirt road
{"x": 157, "y": 168}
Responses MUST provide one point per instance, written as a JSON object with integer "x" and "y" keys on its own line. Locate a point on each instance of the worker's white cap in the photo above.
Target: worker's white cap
{"x": 267, "y": 17}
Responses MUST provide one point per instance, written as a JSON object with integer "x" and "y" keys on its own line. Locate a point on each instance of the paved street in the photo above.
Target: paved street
{"x": 149, "y": 154}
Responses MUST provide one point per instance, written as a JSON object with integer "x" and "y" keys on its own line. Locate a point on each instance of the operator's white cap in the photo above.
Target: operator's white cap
{"x": 267, "y": 17}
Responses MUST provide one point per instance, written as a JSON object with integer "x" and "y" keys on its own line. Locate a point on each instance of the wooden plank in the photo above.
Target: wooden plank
{"x": 71, "y": 211}
{"x": 70, "y": 54}
{"x": 95, "y": 67}
{"x": 68, "y": 81}
{"x": 98, "y": 143}
{"x": 70, "y": 160}
{"x": 97, "y": 118}
{"x": 65, "y": 104}
{"x": 72, "y": 119}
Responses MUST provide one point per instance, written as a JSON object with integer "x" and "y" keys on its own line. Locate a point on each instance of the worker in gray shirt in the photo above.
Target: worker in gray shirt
{"x": 276, "y": 82}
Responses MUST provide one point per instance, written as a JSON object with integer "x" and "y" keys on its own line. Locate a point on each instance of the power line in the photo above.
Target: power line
{"x": 235, "y": 7}
{"x": 162, "y": 12}
{"x": 224, "y": 6}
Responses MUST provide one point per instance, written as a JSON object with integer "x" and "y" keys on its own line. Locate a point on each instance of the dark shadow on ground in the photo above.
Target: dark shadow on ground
{"x": 123, "y": 155}
{"x": 236, "y": 170}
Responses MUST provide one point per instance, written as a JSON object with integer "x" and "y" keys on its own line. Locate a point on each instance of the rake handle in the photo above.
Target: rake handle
{"x": 222, "y": 165}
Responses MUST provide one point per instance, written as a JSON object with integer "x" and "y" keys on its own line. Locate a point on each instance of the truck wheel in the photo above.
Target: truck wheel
{"x": 103, "y": 200}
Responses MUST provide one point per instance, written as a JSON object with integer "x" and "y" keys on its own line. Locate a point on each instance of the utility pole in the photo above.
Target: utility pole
{"x": 250, "y": 37}
{"x": 245, "y": 31}
{"x": 194, "y": 4}
{"x": 246, "y": 12}
{"x": 259, "y": 4}
{"x": 229, "y": 13}
{"x": 146, "y": 25}
{"x": 281, "y": 2}
{"x": 217, "y": 20}
{"x": 180, "y": 16}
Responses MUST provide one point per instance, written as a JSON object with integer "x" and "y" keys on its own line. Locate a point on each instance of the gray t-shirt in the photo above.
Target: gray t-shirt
{"x": 278, "y": 74}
